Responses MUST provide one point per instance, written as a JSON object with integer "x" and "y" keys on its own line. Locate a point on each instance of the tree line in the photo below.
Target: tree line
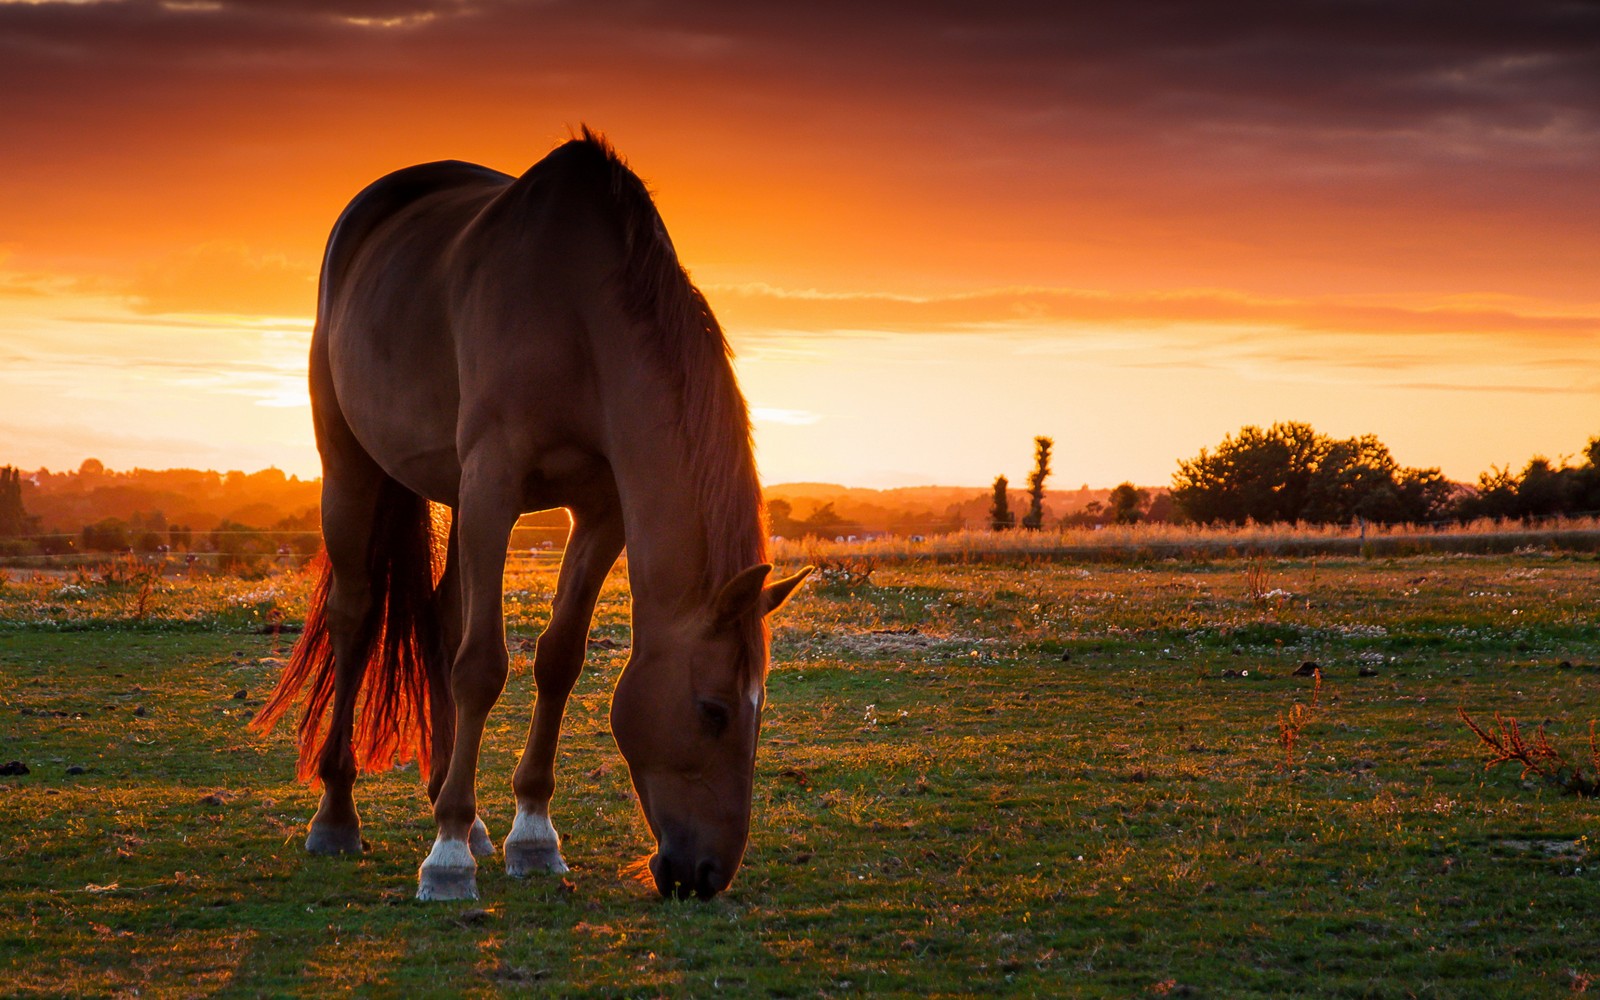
{"x": 1289, "y": 472}
{"x": 94, "y": 510}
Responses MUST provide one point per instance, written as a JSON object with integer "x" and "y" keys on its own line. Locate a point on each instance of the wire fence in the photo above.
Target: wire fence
{"x": 534, "y": 547}
{"x": 219, "y": 548}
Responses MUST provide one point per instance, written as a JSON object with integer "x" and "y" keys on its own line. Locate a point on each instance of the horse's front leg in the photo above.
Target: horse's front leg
{"x": 486, "y": 516}
{"x": 533, "y": 844}
{"x": 441, "y": 706}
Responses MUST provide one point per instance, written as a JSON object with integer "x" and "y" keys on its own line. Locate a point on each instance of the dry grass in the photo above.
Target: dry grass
{"x": 1147, "y": 541}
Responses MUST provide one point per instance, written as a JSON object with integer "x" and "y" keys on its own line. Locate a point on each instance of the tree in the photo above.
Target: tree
{"x": 824, "y": 521}
{"x": 1542, "y": 489}
{"x": 1160, "y": 509}
{"x": 1289, "y": 472}
{"x": 1000, "y": 516}
{"x": 780, "y": 519}
{"x": 106, "y": 535}
{"x": 1426, "y": 495}
{"x": 14, "y": 519}
{"x": 1041, "y": 471}
{"x": 1127, "y": 503}
{"x": 1496, "y": 495}
{"x": 1586, "y": 481}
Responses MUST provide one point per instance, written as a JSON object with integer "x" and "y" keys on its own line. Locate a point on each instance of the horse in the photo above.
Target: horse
{"x": 488, "y": 346}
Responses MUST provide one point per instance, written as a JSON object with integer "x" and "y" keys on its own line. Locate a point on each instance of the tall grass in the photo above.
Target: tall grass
{"x": 1136, "y": 542}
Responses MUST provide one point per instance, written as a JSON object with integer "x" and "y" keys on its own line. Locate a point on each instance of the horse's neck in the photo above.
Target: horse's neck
{"x": 651, "y": 452}
{"x": 667, "y": 549}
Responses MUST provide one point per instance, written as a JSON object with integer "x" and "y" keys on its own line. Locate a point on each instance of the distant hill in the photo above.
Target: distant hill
{"x": 65, "y": 502}
{"x": 201, "y": 500}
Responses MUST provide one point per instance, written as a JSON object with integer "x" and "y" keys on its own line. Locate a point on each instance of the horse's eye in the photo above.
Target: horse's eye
{"x": 713, "y": 718}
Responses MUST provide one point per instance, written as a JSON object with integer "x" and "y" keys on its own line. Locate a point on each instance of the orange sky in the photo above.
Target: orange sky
{"x": 932, "y": 233}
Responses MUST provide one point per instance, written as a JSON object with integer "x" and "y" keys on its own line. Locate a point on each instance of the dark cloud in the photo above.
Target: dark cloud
{"x": 1364, "y": 64}
{"x": 1199, "y": 111}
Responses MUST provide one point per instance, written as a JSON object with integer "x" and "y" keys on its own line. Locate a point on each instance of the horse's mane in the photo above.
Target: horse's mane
{"x": 689, "y": 344}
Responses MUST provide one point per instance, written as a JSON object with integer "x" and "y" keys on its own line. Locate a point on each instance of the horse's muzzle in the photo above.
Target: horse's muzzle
{"x": 685, "y": 876}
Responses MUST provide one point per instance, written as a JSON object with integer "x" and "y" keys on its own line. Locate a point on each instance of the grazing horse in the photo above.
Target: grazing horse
{"x": 500, "y": 345}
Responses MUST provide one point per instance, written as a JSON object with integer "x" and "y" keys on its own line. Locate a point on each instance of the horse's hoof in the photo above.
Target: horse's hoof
{"x": 525, "y": 859}
{"x": 443, "y": 884}
{"x": 478, "y": 840}
{"x": 533, "y": 847}
{"x": 448, "y": 872}
{"x": 325, "y": 838}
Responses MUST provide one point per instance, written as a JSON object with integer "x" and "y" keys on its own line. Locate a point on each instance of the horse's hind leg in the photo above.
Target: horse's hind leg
{"x": 349, "y": 506}
{"x": 533, "y": 844}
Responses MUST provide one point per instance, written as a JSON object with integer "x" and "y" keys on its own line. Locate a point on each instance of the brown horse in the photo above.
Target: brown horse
{"x": 501, "y": 345}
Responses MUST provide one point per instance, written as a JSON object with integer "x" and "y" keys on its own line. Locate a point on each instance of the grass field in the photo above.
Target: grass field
{"x": 1043, "y": 779}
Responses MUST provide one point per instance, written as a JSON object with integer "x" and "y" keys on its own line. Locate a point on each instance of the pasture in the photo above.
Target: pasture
{"x": 1037, "y": 778}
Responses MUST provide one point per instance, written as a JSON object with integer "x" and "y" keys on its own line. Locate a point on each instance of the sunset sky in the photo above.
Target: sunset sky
{"x": 933, "y": 230}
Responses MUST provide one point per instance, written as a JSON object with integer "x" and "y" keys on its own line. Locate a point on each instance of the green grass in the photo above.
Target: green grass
{"x": 1067, "y": 780}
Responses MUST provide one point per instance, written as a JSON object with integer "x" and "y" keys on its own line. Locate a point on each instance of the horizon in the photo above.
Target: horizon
{"x": 930, "y": 235}
{"x": 1016, "y": 484}
{"x": 76, "y": 468}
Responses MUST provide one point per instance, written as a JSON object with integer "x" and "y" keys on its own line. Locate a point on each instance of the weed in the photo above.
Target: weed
{"x": 1255, "y": 579}
{"x": 1539, "y": 757}
{"x": 1293, "y": 721}
{"x": 848, "y": 573}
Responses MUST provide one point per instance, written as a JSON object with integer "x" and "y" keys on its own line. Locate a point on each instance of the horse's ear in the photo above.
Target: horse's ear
{"x": 775, "y": 594}
{"x": 740, "y": 594}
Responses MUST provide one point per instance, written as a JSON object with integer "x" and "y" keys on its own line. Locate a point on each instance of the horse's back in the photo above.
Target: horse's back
{"x": 383, "y": 362}
{"x": 449, "y": 291}
{"x": 389, "y": 197}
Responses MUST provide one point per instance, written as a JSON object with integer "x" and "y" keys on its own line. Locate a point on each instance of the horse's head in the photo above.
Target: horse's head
{"x": 685, "y": 715}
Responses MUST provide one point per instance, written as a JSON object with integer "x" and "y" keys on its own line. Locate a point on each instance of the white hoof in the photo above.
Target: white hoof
{"x": 449, "y": 872}
{"x": 478, "y": 840}
{"x": 533, "y": 847}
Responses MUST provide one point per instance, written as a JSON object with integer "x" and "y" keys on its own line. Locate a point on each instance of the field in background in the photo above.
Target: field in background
{"x": 1147, "y": 542}
{"x": 536, "y": 548}
{"x": 1035, "y": 776}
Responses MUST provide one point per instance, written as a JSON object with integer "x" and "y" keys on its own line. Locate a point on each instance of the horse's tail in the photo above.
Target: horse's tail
{"x": 398, "y": 645}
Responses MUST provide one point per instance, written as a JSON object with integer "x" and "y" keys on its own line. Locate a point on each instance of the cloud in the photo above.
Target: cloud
{"x": 1520, "y": 66}
{"x": 1587, "y": 389}
{"x": 778, "y": 415}
{"x": 754, "y": 309}
{"x": 1171, "y": 134}
{"x": 43, "y": 284}
{"x": 226, "y": 278}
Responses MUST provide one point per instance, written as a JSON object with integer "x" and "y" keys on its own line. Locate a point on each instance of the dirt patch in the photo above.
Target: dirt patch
{"x": 894, "y": 642}
{"x": 1560, "y": 850}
